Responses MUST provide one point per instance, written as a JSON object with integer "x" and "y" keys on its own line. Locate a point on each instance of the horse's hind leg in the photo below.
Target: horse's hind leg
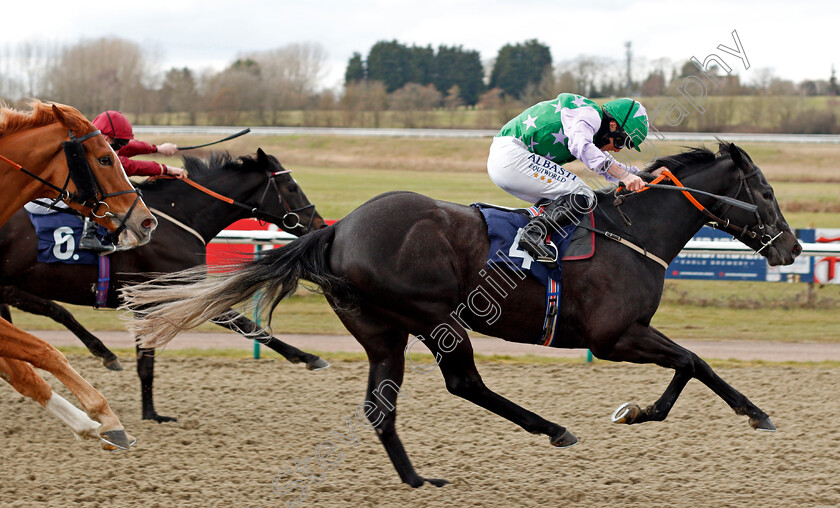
{"x": 648, "y": 345}
{"x": 457, "y": 364}
{"x": 238, "y": 323}
{"x": 385, "y": 348}
{"x": 146, "y": 373}
{"x": 36, "y": 305}
{"x": 19, "y": 345}
{"x": 28, "y": 383}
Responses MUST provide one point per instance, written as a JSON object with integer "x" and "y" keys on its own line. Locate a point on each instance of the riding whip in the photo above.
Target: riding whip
{"x": 240, "y": 133}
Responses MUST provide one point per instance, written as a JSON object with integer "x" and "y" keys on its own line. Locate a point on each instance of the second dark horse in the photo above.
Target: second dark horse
{"x": 259, "y": 182}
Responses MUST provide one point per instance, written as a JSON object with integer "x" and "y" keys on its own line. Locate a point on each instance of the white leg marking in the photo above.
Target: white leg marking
{"x": 75, "y": 418}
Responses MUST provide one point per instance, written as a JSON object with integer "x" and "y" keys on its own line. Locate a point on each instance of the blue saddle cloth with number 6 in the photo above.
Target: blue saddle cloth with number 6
{"x": 58, "y": 239}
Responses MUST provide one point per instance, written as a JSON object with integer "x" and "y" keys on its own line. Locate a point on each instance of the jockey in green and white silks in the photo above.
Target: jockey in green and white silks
{"x": 526, "y": 157}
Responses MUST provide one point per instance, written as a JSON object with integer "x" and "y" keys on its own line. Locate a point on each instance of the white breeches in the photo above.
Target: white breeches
{"x": 529, "y": 176}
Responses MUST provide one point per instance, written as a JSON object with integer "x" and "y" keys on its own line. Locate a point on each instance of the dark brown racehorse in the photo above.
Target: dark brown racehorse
{"x": 54, "y": 152}
{"x": 404, "y": 264}
{"x": 189, "y": 218}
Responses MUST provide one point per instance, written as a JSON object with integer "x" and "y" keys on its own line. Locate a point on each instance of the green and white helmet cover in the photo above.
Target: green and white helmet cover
{"x": 631, "y": 117}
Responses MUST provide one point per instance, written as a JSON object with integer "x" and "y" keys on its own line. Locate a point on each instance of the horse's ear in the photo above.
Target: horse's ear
{"x": 262, "y": 158}
{"x": 59, "y": 115}
{"x": 738, "y": 156}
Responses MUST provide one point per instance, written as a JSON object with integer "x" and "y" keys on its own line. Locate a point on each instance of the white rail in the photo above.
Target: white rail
{"x": 693, "y": 247}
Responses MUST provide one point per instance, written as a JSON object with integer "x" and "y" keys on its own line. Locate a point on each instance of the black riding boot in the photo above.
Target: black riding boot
{"x": 91, "y": 241}
{"x": 557, "y": 214}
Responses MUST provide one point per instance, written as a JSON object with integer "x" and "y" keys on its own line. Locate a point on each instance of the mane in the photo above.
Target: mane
{"x": 691, "y": 158}
{"x": 217, "y": 163}
{"x": 12, "y": 120}
{"x": 679, "y": 164}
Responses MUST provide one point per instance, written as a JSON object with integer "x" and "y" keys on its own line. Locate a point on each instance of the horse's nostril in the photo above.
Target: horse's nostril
{"x": 149, "y": 223}
{"x": 797, "y": 250}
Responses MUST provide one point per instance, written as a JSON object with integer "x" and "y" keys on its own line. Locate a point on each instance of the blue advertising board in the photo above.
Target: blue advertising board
{"x": 739, "y": 266}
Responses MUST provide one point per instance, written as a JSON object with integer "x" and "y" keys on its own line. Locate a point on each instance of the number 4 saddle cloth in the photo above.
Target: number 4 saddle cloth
{"x": 504, "y": 228}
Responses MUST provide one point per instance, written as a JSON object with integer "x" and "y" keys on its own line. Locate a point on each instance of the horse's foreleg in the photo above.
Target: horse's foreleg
{"x": 28, "y": 383}
{"x": 19, "y": 345}
{"x": 457, "y": 365}
{"x": 759, "y": 420}
{"x": 238, "y": 323}
{"x": 648, "y": 345}
{"x": 36, "y": 305}
{"x": 146, "y": 373}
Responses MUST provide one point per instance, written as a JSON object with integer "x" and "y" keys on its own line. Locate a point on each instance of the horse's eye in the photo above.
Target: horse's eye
{"x": 105, "y": 160}
{"x": 293, "y": 188}
{"x": 768, "y": 196}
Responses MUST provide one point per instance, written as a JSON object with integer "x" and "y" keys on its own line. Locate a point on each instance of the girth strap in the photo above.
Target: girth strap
{"x": 104, "y": 282}
{"x": 552, "y": 312}
{"x": 626, "y": 243}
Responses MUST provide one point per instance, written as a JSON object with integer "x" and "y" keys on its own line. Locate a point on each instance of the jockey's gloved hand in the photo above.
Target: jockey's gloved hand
{"x": 632, "y": 182}
{"x": 167, "y": 149}
{"x": 176, "y": 172}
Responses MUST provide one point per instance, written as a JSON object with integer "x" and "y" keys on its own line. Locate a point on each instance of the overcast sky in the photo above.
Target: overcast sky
{"x": 798, "y": 40}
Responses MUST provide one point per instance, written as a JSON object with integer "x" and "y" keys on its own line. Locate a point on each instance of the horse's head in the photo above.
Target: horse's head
{"x": 296, "y": 214}
{"x": 95, "y": 181}
{"x": 766, "y": 229}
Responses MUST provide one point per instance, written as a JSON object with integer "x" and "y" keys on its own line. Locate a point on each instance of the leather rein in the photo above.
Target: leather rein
{"x": 715, "y": 221}
{"x": 256, "y": 211}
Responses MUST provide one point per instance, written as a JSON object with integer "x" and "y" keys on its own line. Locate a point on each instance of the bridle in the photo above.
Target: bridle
{"x": 89, "y": 192}
{"x": 753, "y": 231}
{"x": 757, "y": 230}
{"x": 258, "y": 211}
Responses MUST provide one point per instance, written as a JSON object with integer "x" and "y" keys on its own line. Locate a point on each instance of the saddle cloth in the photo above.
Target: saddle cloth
{"x": 58, "y": 238}
{"x": 504, "y": 227}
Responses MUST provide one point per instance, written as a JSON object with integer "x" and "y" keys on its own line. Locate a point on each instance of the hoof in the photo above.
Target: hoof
{"x": 160, "y": 419}
{"x": 437, "y": 482}
{"x": 116, "y": 440}
{"x": 565, "y": 440}
{"x": 764, "y": 424}
{"x": 317, "y": 364}
{"x": 626, "y": 413}
{"x": 113, "y": 364}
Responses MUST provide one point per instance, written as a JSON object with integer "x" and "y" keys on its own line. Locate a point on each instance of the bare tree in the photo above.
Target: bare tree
{"x": 591, "y": 73}
{"x": 414, "y": 102}
{"x": 290, "y": 75}
{"x": 452, "y": 102}
{"x": 361, "y": 98}
{"x": 236, "y": 90}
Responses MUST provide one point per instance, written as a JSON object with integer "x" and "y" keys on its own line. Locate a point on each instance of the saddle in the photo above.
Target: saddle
{"x": 582, "y": 243}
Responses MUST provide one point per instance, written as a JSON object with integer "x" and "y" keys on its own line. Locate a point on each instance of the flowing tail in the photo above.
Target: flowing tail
{"x": 183, "y": 300}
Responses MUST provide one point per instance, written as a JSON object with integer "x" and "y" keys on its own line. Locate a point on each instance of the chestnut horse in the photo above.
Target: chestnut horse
{"x": 405, "y": 264}
{"x": 54, "y": 152}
